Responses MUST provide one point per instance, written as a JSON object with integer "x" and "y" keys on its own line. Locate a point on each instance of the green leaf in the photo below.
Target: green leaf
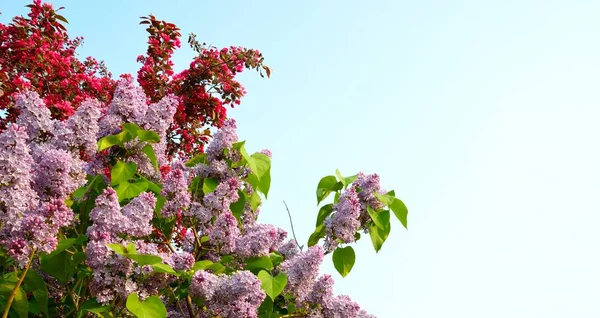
{"x": 114, "y": 140}
{"x": 128, "y": 190}
{"x": 260, "y": 262}
{"x": 209, "y": 185}
{"x": 93, "y": 182}
{"x": 118, "y": 248}
{"x": 316, "y": 235}
{"x": 249, "y": 160}
{"x": 276, "y": 258}
{"x": 255, "y": 201}
{"x": 378, "y": 236}
{"x": 152, "y": 307}
{"x": 149, "y": 151}
{"x": 273, "y": 286}
{"x": 132, "y": 129}
{"x": 164, "y": 268}
{"x": 20, "y": 304}
{"x": 122, "y": 172}
{"x": 201, "y": 158}
{"x": 324, "y": 212}
{"x": 350, "y": 179}
{"x": 144, "y": 259}
{"x": 203, "y": 264}
{"x": 380, "y": 218}
{"x": 263, "y": 172}
{"x": 343, "y": 259}
{"x": 340, "y": 177}
{"x": 400, "y": 211}
{"x": 35, "y": 284}
{"x": 153, "y": 187}
{"x": 92, "y": 306}
{"x": 149, "y": 136}
{"x": 327, "y": 185}
{"x": 62, "y": 265}
{"x": 266, "y": 308}
{"x": 237, "y": 208}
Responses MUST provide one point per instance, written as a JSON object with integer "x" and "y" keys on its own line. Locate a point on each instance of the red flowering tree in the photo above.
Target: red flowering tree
{"x": 37, "y": 54}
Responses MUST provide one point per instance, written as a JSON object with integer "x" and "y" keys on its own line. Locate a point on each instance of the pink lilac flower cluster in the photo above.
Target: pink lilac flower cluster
{"x": 111, "y": 271}
{"x": 39, "y": 169}
{"x": 237, "y": 295}
{"x": 350, "y": 213}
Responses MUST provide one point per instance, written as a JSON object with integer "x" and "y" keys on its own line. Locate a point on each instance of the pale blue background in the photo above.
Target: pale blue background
{"x": 482, "y": 115}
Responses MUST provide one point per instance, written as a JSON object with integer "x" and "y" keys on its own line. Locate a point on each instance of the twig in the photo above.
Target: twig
{"x": 15, "y": 290}
{"x": 292, "y": 225}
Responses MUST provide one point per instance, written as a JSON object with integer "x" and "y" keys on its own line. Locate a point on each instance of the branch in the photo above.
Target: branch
{"x": 292, "y": 224}
{"x": 13, "y": 294}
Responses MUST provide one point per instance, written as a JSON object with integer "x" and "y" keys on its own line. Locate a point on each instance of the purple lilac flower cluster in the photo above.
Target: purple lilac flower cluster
{"x": 350, "y": 213}
{"x": 237, "y": 295}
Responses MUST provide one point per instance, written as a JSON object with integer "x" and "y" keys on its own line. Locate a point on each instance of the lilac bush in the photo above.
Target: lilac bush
{"x": 97, "y": 219}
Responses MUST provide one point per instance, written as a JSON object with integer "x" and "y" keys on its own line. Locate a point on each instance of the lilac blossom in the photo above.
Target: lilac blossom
{"x": 181, "y": 261}
{"x": 259, "y": 240}
{"x": 159, "y": 116}
{"x": 238, "y": 295}
{"x": 225, "y": 232}
{"x": 302, "y": 270}
{"x": 175, "y": 190}
{"x": 224, "y": 138}
{"x": 35, "y": 116}
{"x": 289, "y": 249}
{"x": 139, "y": 213}
{"x": 57, "y": 173}
{"x": 224, "y": 195}
{"x": 344, "y": 222}
{"x": 342, "y": 307}
{"x": 80, "y": 132}
{"x": 129, "y": 101}
{"x": 16, "y": 195}
{"x": 368, "y": 185}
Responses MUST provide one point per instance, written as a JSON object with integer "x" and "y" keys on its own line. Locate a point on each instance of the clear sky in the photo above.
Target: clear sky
{"x": 482, "y": 115}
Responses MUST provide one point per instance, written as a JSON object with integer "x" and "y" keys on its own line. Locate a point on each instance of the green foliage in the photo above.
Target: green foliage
{"x": 130, "y": 132}
{"x": 34, "y": 284}
{"x": 273, "y": 286}
{"x": 20, "y": 304}
{"x": 327, "y": 185}
{"x": 62, "y": 263}
{"x": 149, "y": 151}
{"x": 122, "y": 172}
{"x": 258, "y": 263}
{"x": 343, "y": 259}
{"x": 94, "y": 307}
{"x": 151, "y": 307}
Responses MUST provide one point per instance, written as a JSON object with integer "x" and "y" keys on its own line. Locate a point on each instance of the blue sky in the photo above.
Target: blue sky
{"x": 482, "y": 115}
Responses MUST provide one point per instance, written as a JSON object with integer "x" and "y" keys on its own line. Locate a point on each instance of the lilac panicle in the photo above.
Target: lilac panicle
{"x": 129, "y": 101}
{"x": 259, "y": 240}
{"x": 175, "y": 190}
{"x": 138, "y": 213}
{"x": 344, "y": 222}
{"x": 224, "y": 138}
{"x": 225, "y": 233}
{"x": 302, "y": 270}
{"x": 238, "y": 295}
{"x": 35, "y": 116}
{"x": 16, "y": 195}
{"x": 57, "y": 173}
{"x": 83, "y": 127}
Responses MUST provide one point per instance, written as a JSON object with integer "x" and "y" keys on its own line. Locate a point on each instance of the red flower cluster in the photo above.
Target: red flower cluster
{"x": 204, "y": 89}
{"x": 37, "y": 54}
